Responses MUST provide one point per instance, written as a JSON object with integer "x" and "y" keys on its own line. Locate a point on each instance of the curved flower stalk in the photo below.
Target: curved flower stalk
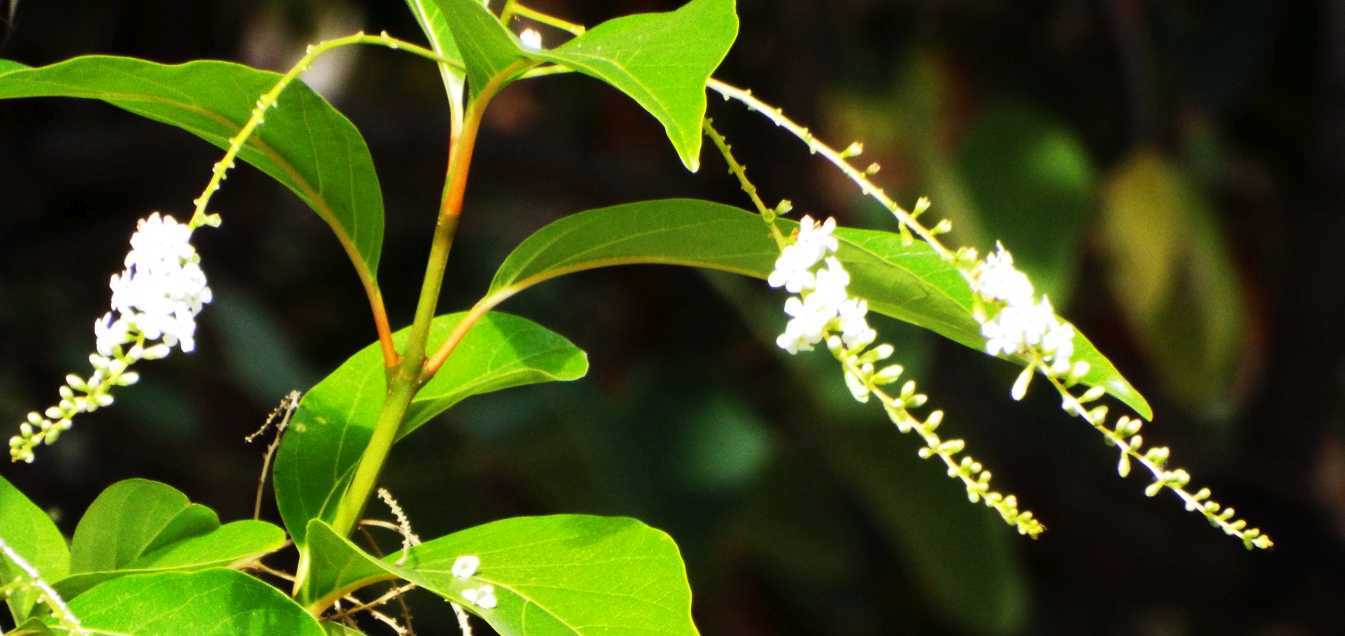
{"x": 45, "y": 592}
{"x": 822, "y": 310}
{"x": 1016, "y": 324}
{"x": 155, "y": 300}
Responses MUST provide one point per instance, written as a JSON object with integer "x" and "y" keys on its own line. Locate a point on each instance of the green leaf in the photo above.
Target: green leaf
{"x": 305, "y": 144}
{"x": 661, "y": 60}
{"x": 10, "y": 65}
{"x": 488, "y": 49}
{"x": 337, "y": 629}
{"x": 207, "y": 602}
{"x": 138, "y": 526}
{"x": 127, "y": 519}
{"x": 562, "y": 574}
{"x": 908, "y": 282}
{"x": 230, "y": 545}
{"x": 29, "y": 531}
{"x": 335, "y": 419}
{"x": 430, "y": 16}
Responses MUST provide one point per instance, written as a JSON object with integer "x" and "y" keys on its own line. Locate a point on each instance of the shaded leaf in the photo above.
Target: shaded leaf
{"x": 908, "y": 282}
{"x": 335, "y": 419}
{"x": 1032, "y": 182}
{"x": 30, "y": 532}
{"x": 305, "y": 144}
{"x": 562, "y": 574}
{"x": 207, "y": 602}
{"x": 1183, "y": 297}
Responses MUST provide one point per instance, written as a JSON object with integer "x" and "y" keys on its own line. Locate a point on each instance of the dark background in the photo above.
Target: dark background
{"x": 1170, "y": 171}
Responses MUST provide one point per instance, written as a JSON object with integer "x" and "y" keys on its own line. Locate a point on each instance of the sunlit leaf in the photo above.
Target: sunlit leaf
{"x": 562, "y": 574}
{"x": 908, "y": 282}
{"x": 206, "y": 602}
{"x": 336, "y": 418}
{"x": 660, "y": 60}
{"x": 28, "y": 531}
{"x": 138, "y": 526}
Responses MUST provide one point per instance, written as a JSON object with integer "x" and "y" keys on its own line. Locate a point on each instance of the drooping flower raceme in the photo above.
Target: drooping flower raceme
{"x": 155, "y": 300}
{"x": 821, "y": 309}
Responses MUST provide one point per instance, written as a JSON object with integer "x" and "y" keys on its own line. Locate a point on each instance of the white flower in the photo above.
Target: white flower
{"x": 465, "y": 566}
{"x": 997, "y": 280}
{"x": 1018, "y": 328}
{"x": 111, "y": 333}
{"x": 483, "y": 597}
{"x": 154, "y": 305}
{"x": 855, "y": 329}
{"x": 531, "y": 39}
{"x": 1058, "y": 344}
{"x": 162, "y": 288}
{"x": 793, "y": 268}
{"x": 807, "y": 325}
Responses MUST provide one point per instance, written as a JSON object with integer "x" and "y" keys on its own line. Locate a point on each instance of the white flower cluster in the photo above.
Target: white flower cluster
{"x": 155, "y": 301}
{"x": 464, "y": 568}
{"x": 1018, "y": 322}
{"x": 161, "y": 290}
{"x": 823, "y": 309}
{"x": 823, "y": 305}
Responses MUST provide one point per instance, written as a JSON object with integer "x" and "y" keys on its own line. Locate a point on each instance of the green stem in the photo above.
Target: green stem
{"x": 267, "y": 101}
{"x": 516, "y": 8}
{"x": 405, "y": 381}
{"x": 747, "y": 186}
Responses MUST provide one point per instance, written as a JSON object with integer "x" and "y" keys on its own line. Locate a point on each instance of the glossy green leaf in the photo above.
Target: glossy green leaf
{"x": 908, "y": 282}
{"x": 305, "y": 144}
{"x": 661, "y": 60}
{"x": 335, "y": 419}
{"x": 230, "y": 545}
{"x": 30, "y": 532}
{"x": 488, "y": 49}
{"x": 10, "y": 65}
{"x": 127, "y": 519}
{"x": 563, "y": 574}
{"x": 207, "y": 602}
{"x": 138, "y": 526}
